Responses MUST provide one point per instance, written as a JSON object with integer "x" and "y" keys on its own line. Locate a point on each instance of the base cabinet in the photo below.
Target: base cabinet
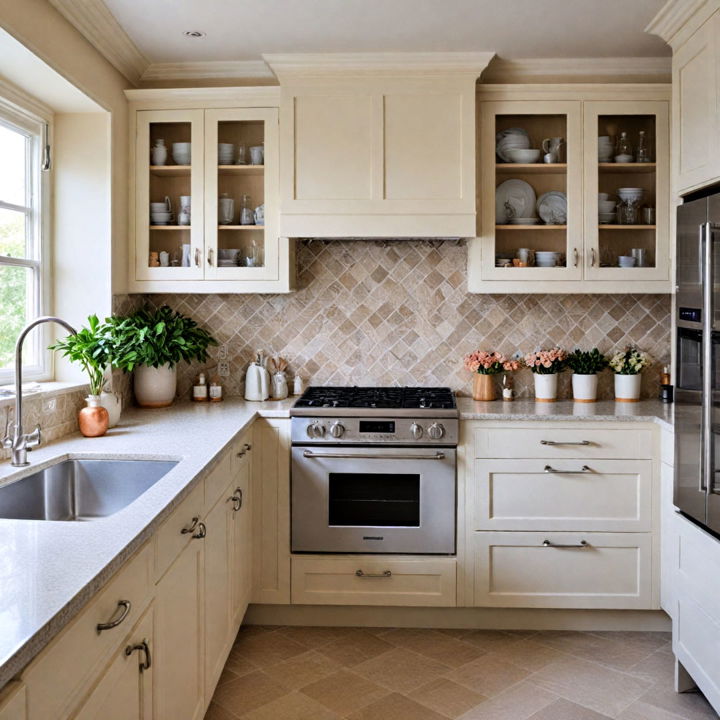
{"x": 13, "y": 702}
{"x": 241, "y": 530}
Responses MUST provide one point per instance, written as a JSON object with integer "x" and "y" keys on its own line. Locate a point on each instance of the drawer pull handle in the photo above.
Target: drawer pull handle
{"x": 581, "y": 545}
{"x": 145, "y": 664}
{"x": 583, "y": 469}
{"x": 383, "y": 574}
{"x": 241, "y": 453}
{"x": 560, "y": 442}
{"x": 125, "y": 605}
{"x": 247, "y": 447}
{"x": 237, "y": 499}
{"x": 201, "y": 533}
{"x": 193, "y": 525}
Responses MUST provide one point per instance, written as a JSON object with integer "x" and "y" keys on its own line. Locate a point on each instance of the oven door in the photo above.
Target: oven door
{"x": 373, "y": 500}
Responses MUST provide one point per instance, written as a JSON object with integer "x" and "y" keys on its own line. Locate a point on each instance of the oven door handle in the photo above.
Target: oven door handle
{"x": 371, "y": 456}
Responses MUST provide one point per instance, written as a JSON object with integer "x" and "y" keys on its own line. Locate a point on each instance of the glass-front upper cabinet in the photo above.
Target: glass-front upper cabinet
{"x": 626, "y": 190}
{"x": 241, "y": 188}
{"x": 531, "y": 190}
{"x": 169, "y": 233}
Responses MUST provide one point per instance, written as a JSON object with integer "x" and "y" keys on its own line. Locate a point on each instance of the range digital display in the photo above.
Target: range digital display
{"x": 377, "y": 426}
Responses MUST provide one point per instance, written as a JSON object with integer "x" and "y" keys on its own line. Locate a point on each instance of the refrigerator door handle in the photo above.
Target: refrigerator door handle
{"x": 708, "y": 275}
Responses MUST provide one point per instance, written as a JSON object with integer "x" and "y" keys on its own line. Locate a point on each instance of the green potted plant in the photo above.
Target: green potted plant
{"x": 90, "y": 347}
{"x": 545, "y": 366}
{"x": 628, "y": 365}
{"x": 151, "y": 343}
{"x": 586, "y": 364}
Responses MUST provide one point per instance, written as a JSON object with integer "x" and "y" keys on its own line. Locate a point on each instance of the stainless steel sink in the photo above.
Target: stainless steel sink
{"x": 80, "y": 489}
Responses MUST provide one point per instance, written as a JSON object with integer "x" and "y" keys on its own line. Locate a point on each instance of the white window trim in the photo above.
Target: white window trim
{"x": 25, "y": 118}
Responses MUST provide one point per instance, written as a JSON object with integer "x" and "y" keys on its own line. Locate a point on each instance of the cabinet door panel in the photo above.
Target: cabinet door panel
{"x": 242, "y": 542}
{"x": 13, "y": 701}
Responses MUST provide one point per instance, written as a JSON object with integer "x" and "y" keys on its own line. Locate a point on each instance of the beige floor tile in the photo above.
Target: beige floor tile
{"x": 396, "y": 707}
{"x": 526, "y": 654}
{"x": 238, "y": 663}
{"x": 658, "y": 667}
{"x": 565, "y": 710}
{"x": 518, "y": 702}
{"x": 294, "y": 706}
{"x": 301, "y": 670}
{"x": 215, "y": 712}
{"x": 447, "y": 650}
{"x": 354, "y": 648}
{"x": 446, "y": 697}
{"x": 314, "y": 637}
{"x": 227, "y": 675}
{"x": 591, "y": 685}
{"x": 488, "y": 677}
{"x": 489, "y": 640}
{"x": 344, "y": 692}
{"x": 247, "y": 693}
{"x": 643, "y": 711}
{"x": 267, "y": 648}
{"x": 401, "y": 670}
{"x": 690, "y": 706}
{"x": 645, "y": 640}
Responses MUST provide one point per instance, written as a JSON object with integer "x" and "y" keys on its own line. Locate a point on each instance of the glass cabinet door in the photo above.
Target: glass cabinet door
{"x": 531, "y": 196}
{"x": 168, "y": 195}
{"x": 627, "y": 193}
{"x": 241, "y": 191}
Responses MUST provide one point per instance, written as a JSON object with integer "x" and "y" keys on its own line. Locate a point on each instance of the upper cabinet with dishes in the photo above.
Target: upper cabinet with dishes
{"x": 205, "y": 211}
{"x": 693, "y": 30}
{"x": 378, "y": 145}
{"x": 573, "y": 189}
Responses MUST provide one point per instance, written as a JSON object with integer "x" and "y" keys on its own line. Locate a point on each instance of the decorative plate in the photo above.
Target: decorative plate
{"x": 513, "y": 198}
{"x": 552, "y": 207}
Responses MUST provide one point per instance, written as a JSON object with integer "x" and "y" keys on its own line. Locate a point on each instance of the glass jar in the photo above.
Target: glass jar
{"x": 247, "y": 214}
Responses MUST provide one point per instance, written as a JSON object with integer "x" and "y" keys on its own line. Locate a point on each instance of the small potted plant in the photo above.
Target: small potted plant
{"x": 545, "y": 365}
{"x": 484, "y": 365}
{"x": 151, "y": 343}
{"x": 91, "y": 348}
{"x": 628, "y": 365}
{"x": 586, "y": 364}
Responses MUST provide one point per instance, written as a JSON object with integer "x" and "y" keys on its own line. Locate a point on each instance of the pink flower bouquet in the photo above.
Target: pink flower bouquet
{"x": 489, "y": 363}
{"x": 546, "y": 362}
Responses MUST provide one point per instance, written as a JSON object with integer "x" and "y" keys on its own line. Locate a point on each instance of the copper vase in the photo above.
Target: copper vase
{"x": 483, "y": 387}
{"x": 93, "y": 419}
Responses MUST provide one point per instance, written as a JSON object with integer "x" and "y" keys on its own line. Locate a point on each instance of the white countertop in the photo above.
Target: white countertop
{"x": 49, "y": 570}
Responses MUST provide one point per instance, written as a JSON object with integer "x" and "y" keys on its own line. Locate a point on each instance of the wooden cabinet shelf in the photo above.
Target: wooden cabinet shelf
{"x": 241, "y": 227}
{"x": 531, "y": 227}
{"x": 531, "y": 168}
{"x": 170, "y": 170}
{"x": 241, "y": 169}
{"x": 626, "y": 227}
{"x": 612, "y": 167}
{"x": 170, "y": 227}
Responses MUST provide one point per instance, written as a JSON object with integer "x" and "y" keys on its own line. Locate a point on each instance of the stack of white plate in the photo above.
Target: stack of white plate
{"x": 511, "y": 139}
{"x": 606, "y": 212}
{"x": 228, "y": 257}
{"x": 226, "y": 153}
{"x": 605, "y": 149}
{"x": 546, "y": 258}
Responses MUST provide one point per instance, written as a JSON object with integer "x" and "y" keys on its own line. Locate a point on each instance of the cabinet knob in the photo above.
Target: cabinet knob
{"x": 143, "y": 647}
{"x": 197, "y": 257}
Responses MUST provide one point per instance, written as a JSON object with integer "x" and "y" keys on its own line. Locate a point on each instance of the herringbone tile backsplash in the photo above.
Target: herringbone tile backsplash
{"x": 398, "y": 313}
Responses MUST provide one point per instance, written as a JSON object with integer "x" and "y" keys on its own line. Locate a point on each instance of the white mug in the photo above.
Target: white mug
{"x": 257, "y": 155}
{"x": 164, "y": 258}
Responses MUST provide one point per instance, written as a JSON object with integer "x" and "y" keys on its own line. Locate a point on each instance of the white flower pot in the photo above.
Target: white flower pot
{"x": 112, "y": 403}
{"x": 584, "y": 388}
{"x": 627, "y": 388}
{"x": 155, "y": 387}
{"x": 545, "y": 387}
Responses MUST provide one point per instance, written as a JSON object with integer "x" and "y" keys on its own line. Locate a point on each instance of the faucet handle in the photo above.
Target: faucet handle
{"x": 34, "y": 438}
{"x": 7, "y": 438}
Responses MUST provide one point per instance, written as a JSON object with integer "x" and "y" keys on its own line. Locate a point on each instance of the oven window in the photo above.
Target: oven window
{"x": 374, "y": 500}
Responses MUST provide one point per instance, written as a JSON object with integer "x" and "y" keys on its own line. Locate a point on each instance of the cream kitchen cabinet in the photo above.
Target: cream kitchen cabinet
{"x": 378, "y": 147}
{"x": 216, "y": 249}
{"x": 242, "y": 533}
{"x": 13, "y": 702}
{"x": 587, "y": 251}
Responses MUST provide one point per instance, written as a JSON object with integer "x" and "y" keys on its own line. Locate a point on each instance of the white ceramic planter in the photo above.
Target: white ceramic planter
{"x": 584, "y": 388}
{"x": 112, "y": 403}
{"x": 545, "y": 387}
{"x": 155, "y": 387}
{"x": 627, "y": 388}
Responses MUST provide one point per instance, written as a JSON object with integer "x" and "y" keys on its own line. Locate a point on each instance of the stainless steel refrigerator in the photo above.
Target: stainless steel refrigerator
{"x": 697, "y": 381}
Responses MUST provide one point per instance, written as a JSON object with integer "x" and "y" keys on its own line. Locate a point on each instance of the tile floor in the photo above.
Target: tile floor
{"x": 304, "y": 673}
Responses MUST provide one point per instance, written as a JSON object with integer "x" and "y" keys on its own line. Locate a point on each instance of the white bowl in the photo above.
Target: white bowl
{"x": 522, "y": 155}
{"x": 606, "y": 206}
{"x": 624, "y": 158}
{"x": 603, "y": 196}
{"x": 629, "y": 190}
{"x": 161, "y": 215}
{"x": 606, "y": 218}
{"x": 524, "y": 221}
{"x": 626, "y": 261}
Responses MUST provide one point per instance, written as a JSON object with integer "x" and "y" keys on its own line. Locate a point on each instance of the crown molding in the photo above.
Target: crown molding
{"x": 291, "y": 65}
{"x": 23, "y": 102}
{"x": 259, "y": 96}
{"x": 216, "y": 70}
{"x": 676, "y": 13}
{"x": 529, "y": 70}
{"x": 100, "y": 28}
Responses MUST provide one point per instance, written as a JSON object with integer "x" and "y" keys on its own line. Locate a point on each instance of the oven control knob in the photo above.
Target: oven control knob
{"x": 337, "y": 429}
{"x": 315, "y": 430}
{"x": 436, "y": 431}
{"x": 416, "y": 431}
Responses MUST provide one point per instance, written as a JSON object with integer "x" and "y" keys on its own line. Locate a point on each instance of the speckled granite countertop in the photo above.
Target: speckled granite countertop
{"x": 49, "y": 570}
{"x": 604, "y": 411}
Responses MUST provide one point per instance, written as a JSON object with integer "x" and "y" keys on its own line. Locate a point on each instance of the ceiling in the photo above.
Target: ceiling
{"x": 242, "y": 30}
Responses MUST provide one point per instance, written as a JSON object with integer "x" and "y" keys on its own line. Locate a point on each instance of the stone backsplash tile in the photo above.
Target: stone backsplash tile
{"x": 398, "y": 312}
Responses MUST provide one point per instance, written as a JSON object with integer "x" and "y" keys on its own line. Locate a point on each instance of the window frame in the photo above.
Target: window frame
{"x": 37, "y": 212}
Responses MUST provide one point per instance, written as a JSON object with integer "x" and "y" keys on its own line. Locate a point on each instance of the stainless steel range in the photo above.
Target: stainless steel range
{"x": 373, "y": 470}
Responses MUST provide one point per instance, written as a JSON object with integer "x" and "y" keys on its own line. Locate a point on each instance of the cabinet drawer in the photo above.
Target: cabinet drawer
{"x": 562, "y": 442}
{"x": 609, "y": 495}
{"x": 61, "y": 673}
{"x": 170, "y": 539}
{"x": 12, "y": 702}
{"x": 517, "y": 569}
{"x": 372, "y": 580}
{"x": 218, "y": 480}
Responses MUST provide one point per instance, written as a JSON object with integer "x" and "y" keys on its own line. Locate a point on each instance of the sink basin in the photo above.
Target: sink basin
{"x": 80, "y": 489}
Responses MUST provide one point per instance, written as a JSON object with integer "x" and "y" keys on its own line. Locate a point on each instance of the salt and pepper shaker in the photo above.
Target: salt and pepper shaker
{"x": 298, "y": 386}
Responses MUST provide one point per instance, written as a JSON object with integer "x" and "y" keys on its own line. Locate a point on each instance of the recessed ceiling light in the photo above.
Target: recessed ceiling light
{"x": 194, "y": 34}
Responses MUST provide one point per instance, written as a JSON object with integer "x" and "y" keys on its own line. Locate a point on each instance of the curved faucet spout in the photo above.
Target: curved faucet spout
{"x": 20, "y": 442}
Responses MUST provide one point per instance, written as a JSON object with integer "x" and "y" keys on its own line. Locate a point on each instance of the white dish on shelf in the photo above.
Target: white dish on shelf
{"x": 552, "y": 207}
{"x": 606, "y": 206}
{"x": 516, "y": 193}
{"x": 512, "y": 138}
{"x": 606, "y": 218}
{"x": 524, "y": 221}
{"x": 546, "y": 258}
{"x": 523, "y": 155}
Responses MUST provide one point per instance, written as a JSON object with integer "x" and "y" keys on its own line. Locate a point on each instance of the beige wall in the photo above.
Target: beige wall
{"x": 37, "y": 25}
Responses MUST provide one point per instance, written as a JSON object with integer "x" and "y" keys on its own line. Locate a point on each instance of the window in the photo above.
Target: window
{"x": 21, "y": 243}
